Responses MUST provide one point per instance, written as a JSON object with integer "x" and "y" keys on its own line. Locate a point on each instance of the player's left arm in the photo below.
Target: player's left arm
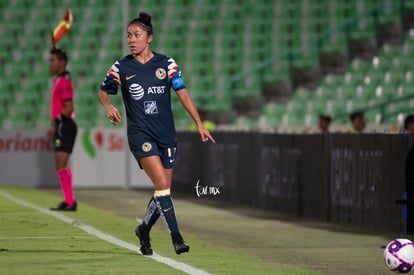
{"x": 68, "y": 108}
{"x": 188, "y": 103}
{"x": 177, "y": 83}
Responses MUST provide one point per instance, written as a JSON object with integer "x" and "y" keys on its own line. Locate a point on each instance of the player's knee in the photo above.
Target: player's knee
{"x": 162, "y": 186}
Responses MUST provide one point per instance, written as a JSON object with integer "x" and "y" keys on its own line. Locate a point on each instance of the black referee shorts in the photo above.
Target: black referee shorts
{"x": 65, "y": 135}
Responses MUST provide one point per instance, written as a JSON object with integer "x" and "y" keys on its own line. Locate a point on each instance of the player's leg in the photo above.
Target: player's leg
{"x": 148, "y": 163}
{"x": 167, "y": 210}
{"x": 162, "y": 179}
{"x": 152, "y": 214}
{"x": 142, "y": 231}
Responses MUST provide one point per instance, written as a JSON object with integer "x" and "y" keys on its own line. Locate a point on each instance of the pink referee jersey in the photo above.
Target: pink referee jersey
{"x": 62, "y": 90}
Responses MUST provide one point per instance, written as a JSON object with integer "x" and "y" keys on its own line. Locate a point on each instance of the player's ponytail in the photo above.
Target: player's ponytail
{"x": 144, "y": 19}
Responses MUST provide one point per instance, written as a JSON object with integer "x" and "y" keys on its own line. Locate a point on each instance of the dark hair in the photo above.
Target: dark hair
{"x": 408, "y": 120}
{"x": 356, "y": 114}
{"x": 327, "y": 118}
{"x": 60, "y": 53}
{"x": 144, "y": 19}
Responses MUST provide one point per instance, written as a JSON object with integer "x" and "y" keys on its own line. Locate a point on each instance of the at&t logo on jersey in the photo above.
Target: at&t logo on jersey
{"x": 156, "y": 90}
{"x": 136, "y": 91}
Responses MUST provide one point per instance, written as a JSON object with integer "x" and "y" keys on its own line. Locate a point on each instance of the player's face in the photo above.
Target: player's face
{"x": 138, "y": 39}
{"x": 56, "y": 66}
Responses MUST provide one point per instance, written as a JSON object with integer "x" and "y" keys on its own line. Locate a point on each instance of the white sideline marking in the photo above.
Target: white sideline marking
{"x": 111, "y": 239}
{"x": 45, "y": 237}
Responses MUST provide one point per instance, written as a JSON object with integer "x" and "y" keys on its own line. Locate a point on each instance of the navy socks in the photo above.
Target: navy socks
{"x": 152, "y": 214}
{"x": 167, "y": 211}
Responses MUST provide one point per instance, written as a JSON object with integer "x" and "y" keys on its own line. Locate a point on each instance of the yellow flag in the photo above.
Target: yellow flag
{"x": 63, "y": 26}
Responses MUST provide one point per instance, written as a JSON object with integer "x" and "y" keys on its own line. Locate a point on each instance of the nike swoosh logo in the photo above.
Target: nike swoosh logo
{"x": 129, "y": 77}
{"x": 172, "y": 160}
{"x": 168, "y": 209}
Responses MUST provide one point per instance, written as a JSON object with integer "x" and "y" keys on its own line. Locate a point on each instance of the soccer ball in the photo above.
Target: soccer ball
{"x": 399, "y": 255}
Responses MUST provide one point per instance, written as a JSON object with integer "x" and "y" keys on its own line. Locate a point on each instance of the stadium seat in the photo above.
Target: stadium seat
{"x": 374, "y": 117}
{"x": 207, "y": 49}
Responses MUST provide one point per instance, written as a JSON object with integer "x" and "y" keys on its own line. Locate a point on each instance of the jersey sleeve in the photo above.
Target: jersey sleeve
{"x": 174, "y": 73}
{"x": 66, "y": 89}
{"x": 112, "y": 80}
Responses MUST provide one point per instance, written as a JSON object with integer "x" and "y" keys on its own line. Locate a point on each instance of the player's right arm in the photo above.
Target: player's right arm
{"x": 110, "y": 86}
{"x": 113, "y": 114}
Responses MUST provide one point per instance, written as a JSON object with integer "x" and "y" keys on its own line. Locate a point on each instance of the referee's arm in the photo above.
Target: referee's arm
{"x": 68, "y": 108}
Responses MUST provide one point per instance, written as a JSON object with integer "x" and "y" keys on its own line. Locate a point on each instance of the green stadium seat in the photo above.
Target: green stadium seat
{"x": 316, "y": 106}
{"x": 363, "y": 93}
{"x": 394, "y": 77}
{"x": 404, "y": 91}
{"x": 388, "y": 11}
{"x": 331, "y": 81}
{"x": 355, "y": 105}
{"x": 273, "y": 113}
{"x": 249, "y": 87}
{"x": 207, "y": 49}
{"x": 345, "y": 92}
{"x": 336, "y": 106}
{"x": 385, "y": 93}
{"x": 295, "y": 108}
{"x": 360, "y": 66}
{"x": 302, "y": 95}
{"x": 273, "y": 109}
{"x": 24, "y": 119}
{"x": 389, "y": 51}
{"x": 279, "y": 70}
{"x": 374, "y": 117}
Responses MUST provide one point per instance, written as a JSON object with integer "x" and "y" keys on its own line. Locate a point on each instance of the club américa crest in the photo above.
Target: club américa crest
{"x": 146, "y": 147}
{"x": 160, "y": 73}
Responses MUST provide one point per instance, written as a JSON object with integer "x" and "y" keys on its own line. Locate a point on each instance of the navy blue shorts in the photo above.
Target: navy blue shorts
{"x": 144, "y": 147}
{"x": 65, "y": 135}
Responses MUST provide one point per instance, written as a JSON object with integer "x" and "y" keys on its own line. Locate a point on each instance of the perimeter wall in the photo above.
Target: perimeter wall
{"x": 341, "y": 178}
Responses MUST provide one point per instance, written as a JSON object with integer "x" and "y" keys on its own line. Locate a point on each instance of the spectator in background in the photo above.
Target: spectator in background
{"x": 324, "y": 122}
{"x": 409, "y": 124}
{"x": 358, "y": 121}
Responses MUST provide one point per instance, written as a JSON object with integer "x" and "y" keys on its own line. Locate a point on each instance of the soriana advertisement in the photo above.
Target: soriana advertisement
{"x": 26, "y": 159}
{"x": 101, "y": 158}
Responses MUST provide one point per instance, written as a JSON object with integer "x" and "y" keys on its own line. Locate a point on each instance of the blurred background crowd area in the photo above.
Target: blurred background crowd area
{"x": 271, "y": 65}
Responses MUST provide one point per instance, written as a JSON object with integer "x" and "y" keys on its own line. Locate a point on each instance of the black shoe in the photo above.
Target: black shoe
{"x": 63, "y": 206}
{"x": 179, "y": 245}
{"x": 143, "y": 235}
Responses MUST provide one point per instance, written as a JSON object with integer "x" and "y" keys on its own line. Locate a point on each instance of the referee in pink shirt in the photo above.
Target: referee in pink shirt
{"x": 62, "y": 131}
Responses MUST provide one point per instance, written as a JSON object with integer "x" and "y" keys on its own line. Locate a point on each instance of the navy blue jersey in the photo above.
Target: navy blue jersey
{"x": 146, "y": 94}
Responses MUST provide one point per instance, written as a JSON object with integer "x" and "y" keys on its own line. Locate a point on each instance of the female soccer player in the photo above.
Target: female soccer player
{"x": 145, "y": 78}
